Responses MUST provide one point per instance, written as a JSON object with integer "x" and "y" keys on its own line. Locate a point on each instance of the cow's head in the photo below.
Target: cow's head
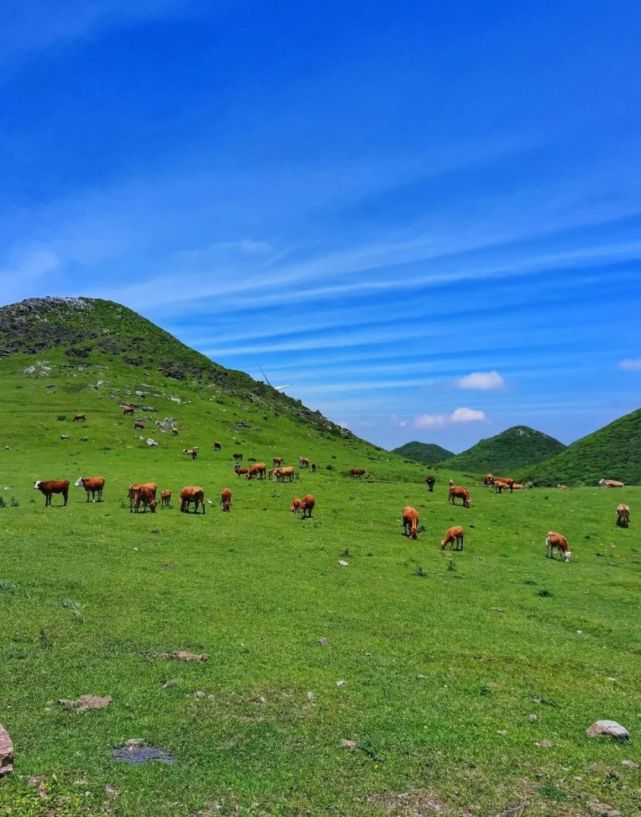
{"x": 37, "y": 484}
{"x": 78, "y": 482}
{"x": 567, "y": 555}
{"x": 467, "y": 502}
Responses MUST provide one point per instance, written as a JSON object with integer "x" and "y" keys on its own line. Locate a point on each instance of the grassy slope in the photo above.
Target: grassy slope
{"x": 505, "y": 452}
{"x": 90, "y": 594}
{"x": 613, "y": 452}
{"x": 426, "y": 453}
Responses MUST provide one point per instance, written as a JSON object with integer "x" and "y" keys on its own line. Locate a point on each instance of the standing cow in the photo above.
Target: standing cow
{"x": 165, "y": 498}
{"x": 307, "y": 506}
{"x": 80, "y": 417}
{"x": 410, "y": 521}
{"x": 258, "y": 469}
{"x": 192, "y": 494}
{"x": 430, "y": 482}
{"x": 191, "y": 452}
{"x": 225, "y": 499}
{"x": 623, "y": 516}
{"x": 92, "y": 485}
{"x": 217, "y": 446}
{"x": 52, "y": 486}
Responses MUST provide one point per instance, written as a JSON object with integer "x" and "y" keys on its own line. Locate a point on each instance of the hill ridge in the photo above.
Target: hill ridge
{"x": 425, "y": 453}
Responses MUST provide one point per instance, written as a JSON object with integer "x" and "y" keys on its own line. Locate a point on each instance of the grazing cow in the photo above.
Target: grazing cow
{"x": 165, "y": 499}
{"x": 191, "y": 452}
{"x": 623, "y": 516}
{"x": 277, "y": 461}
{"x": 139, "y": 425}
{"x": 303, "y": 462}
{"x": 359, "y": 472}
{"x": 296, "y": 503}
{"x": 559, "y": 542}
{"x": 148, "y": 489}
{"x": 237, "y": 456}
{"x": 410, "y": 521}
{"x": 192, "y": 494}
{"x": 225, "y": 499}
{"x": 128, "y": 410}
{"x": 92, "y": 485}
{"x": 430, "y": 481}
{"x": 488, "y": 480}
{"x": 52, "y": 486}
{"x": 453, "y": 537}
{"x": 80, "y": 417}
{"x": 611, "y": 483}
{"x": 307, "y": 506}
{"x": 258, "y": 469}
{"x": 501, "y": 485}
{"x": 285, "y": 474}
{"x": 462, "y": 493}
{"x": 217, "y": 446}
{"x": 240, "y": 471}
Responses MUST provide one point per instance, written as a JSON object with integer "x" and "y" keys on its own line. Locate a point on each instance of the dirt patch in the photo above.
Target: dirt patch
{"x": 412, "y": 803}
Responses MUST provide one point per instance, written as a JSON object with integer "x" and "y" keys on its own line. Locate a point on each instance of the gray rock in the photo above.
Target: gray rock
{"x": 6, "y": 752}
{"x": 609, "y": 728}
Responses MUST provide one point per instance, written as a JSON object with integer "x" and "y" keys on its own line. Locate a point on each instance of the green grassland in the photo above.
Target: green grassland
{"x": 445, "y": 656}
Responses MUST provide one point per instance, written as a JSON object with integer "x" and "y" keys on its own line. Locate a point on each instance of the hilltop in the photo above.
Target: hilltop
{"x": 612, "y": 452}
{"x": 427, "y": 453}
{"x": 513, "y": 448}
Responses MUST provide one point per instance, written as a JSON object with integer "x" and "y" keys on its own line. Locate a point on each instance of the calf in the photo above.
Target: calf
{"x": 52, "y": 486}
{"x": 191, "y": 452}
{"x": 225, "y": 499}
{"x": 139, "y": 425}
{"x": 462, "y": 493}
{"x": 295, "y": 506}
{"x": 92, "y": 485}
{"x": 559, "y": 542}
{"x": 623, "y": 516}
{"x": 277, "y": 461}
{"x": 149, "y": 490}
{"x": 165, "y": 499}
{"x": 79, "y": 417}
{"x": 128, "y": 410}
{"x": 192, "y": 494}
{"x": 430, "y": 482}
{"x": 307, "y": 506}
{"x": 217, "y": 446}
{"x": 240, "y": 471}
{"x": 410, "y": 521}
{"x": 453, "y": 536}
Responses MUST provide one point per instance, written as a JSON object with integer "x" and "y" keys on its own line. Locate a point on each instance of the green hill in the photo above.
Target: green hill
{"x": 612, "y": 452}
{"x": 513, "y": 448}
{"x": 427, "y": 453}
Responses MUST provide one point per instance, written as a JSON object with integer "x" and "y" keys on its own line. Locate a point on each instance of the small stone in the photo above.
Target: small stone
{"x": 311, "y": 697}
{"x": 630, "y": 764}
{"x": 341, "y": 683}
{"x": 211, "y": 697}
{"x": 81, "y": 782}
{"x": 86, "y": 702}
{"x": 501, "y": 731}
{"x": 533, "y": 717}
{"x": 498, "y": 609}
{"x": 199, "y": 694}
{"x": 604, "y": 808}
{"x": 610, "y": 728}
{"x": 545, "y": 743}
{"x": 110, "y": 791}
{"x": 38, "y": 781}
{"x": 172, "y": 682}
{"x": 610, "y": 678}
{"x": 181, "y": 655}
{"x": 323, "y": 642}
{"x": 343, "y": 563}
{"x": 349, "y": 744}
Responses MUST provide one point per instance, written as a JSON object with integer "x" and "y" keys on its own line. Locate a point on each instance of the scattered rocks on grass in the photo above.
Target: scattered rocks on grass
{"x": 544, "y": 744}
{"x": 137, "y": 752}
{"x": 6, "y": 752}
{"x": 311, "y": 697}
{"x": 199, "y": 694}
{"x": 604, "y": 808}
{"x": 323, "y": 642}
{"x": 349, "y": 744}
{"x": 343, "y": 563}
{"x": 609, "y": 728}
{"x": 85, "y": 702}
{"x": 181, "y": 655}
{"x": 110, "y": 791}
{"x": 533, "y": 717}
{"x": 630, "y": 764}
{"x": 341, "y": 683}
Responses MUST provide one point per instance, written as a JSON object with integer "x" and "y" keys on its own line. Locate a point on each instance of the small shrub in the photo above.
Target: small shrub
{"x": 544, "y": 593}
{"x": 7, "y": 587}
{"x": 346, "y": 552}
{"x": 14, "y": 502}
{"x": 420, "y": 571}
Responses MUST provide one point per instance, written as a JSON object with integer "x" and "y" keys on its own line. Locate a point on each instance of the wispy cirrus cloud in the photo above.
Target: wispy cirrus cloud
{"x": 459, "y": 415}
{"x": 481, "y": 381}
{"x": 630, "y": 365}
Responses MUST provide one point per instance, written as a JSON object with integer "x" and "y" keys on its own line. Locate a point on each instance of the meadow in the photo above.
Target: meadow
{"x": 467, "y": 680}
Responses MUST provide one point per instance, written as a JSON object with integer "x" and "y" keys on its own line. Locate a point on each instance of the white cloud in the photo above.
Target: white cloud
{"x": 481, "y": 381}
{"x": 430, "y": 421}
{"x": 467, "y": 415}
{"x": 630, "y": 365}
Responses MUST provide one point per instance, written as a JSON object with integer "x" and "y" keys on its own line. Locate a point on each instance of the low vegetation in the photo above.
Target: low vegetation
{"x": 506, "y": 452}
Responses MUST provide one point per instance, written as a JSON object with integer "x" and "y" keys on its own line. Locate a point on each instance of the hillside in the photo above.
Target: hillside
{"x": 513, "y": 448}
{"x": 612, "y": 452}
{"x": 427, "y": 453}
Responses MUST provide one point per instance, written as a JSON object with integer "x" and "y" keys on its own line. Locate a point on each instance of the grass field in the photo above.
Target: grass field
{"x": 456, "y": 666}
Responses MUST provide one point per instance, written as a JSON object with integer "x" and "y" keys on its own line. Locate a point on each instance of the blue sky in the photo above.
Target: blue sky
{"x": 421, "y": 218}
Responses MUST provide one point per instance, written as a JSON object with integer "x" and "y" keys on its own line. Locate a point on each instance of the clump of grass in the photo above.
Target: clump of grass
{"x": 7, "y": 587}
{"x": 544, "y": 593}
{"x": 15, "y": 503}
{"x": 420, "y": 571}
{"x": 3, "y": 504}
{"x": 346, "y": 552}
{"x": 451, "y": 566}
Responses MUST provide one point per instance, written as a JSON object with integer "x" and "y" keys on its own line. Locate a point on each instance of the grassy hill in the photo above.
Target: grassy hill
{"x": 613, "y": 452}
{"x": 412, "y": 681}
{"x": 427, "y": 453}
{"x": 506, "y": 452}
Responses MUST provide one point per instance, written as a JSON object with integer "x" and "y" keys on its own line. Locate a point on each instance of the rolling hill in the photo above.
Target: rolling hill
{"x": 427, "y": 453}
{"x": 612, "y": 452}
{"x": 506, "y": 452}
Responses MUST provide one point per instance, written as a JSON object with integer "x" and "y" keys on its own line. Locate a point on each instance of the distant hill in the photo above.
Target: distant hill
{"x": 427, "y": 453}
{"x": 612, "y": 452}
{"x": 506, "y": 452}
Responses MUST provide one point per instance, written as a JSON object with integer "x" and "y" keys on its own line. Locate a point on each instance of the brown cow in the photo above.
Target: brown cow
{"x": 277, "y": 461}
{"x": 139, "y": 425}
{"x": 225, "y": 499}
{"x": 80, "y": 417}
{"x": 191, "y": 452}
{"x": 488, "y": 480}
{"x": 303, "y": 462}
{"x": 285, "y": 474}
{"x": 148, "y": 488}
{"x": 557, "y": 541}
{"x": 240, "y": 471}
{"x": 517, "y": 486}
{"x": 453, "y": 536}
{"x": 611, "y": 483}
{"x": 144, "y": 494}
{"x": 359, "y": 472}
{"x": 92, "y": 485}
{"x": 52, "y": 486}
{"x": 165, "y": 498}
{"x": 295, "y": 506}
{"x": 128, "y": 409}
{"x": 307, "y": 505}
{"x": 623, "y": 516}
{"x": 501, "y": 485}
{"x": 217, "y": 446}
{"x": 192, "y": 493}
{"x": 410, "y": 521}
{"x": 462, "y": 493}
{"x": 258, "y": 469}
{"x": 430, "y": 482}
